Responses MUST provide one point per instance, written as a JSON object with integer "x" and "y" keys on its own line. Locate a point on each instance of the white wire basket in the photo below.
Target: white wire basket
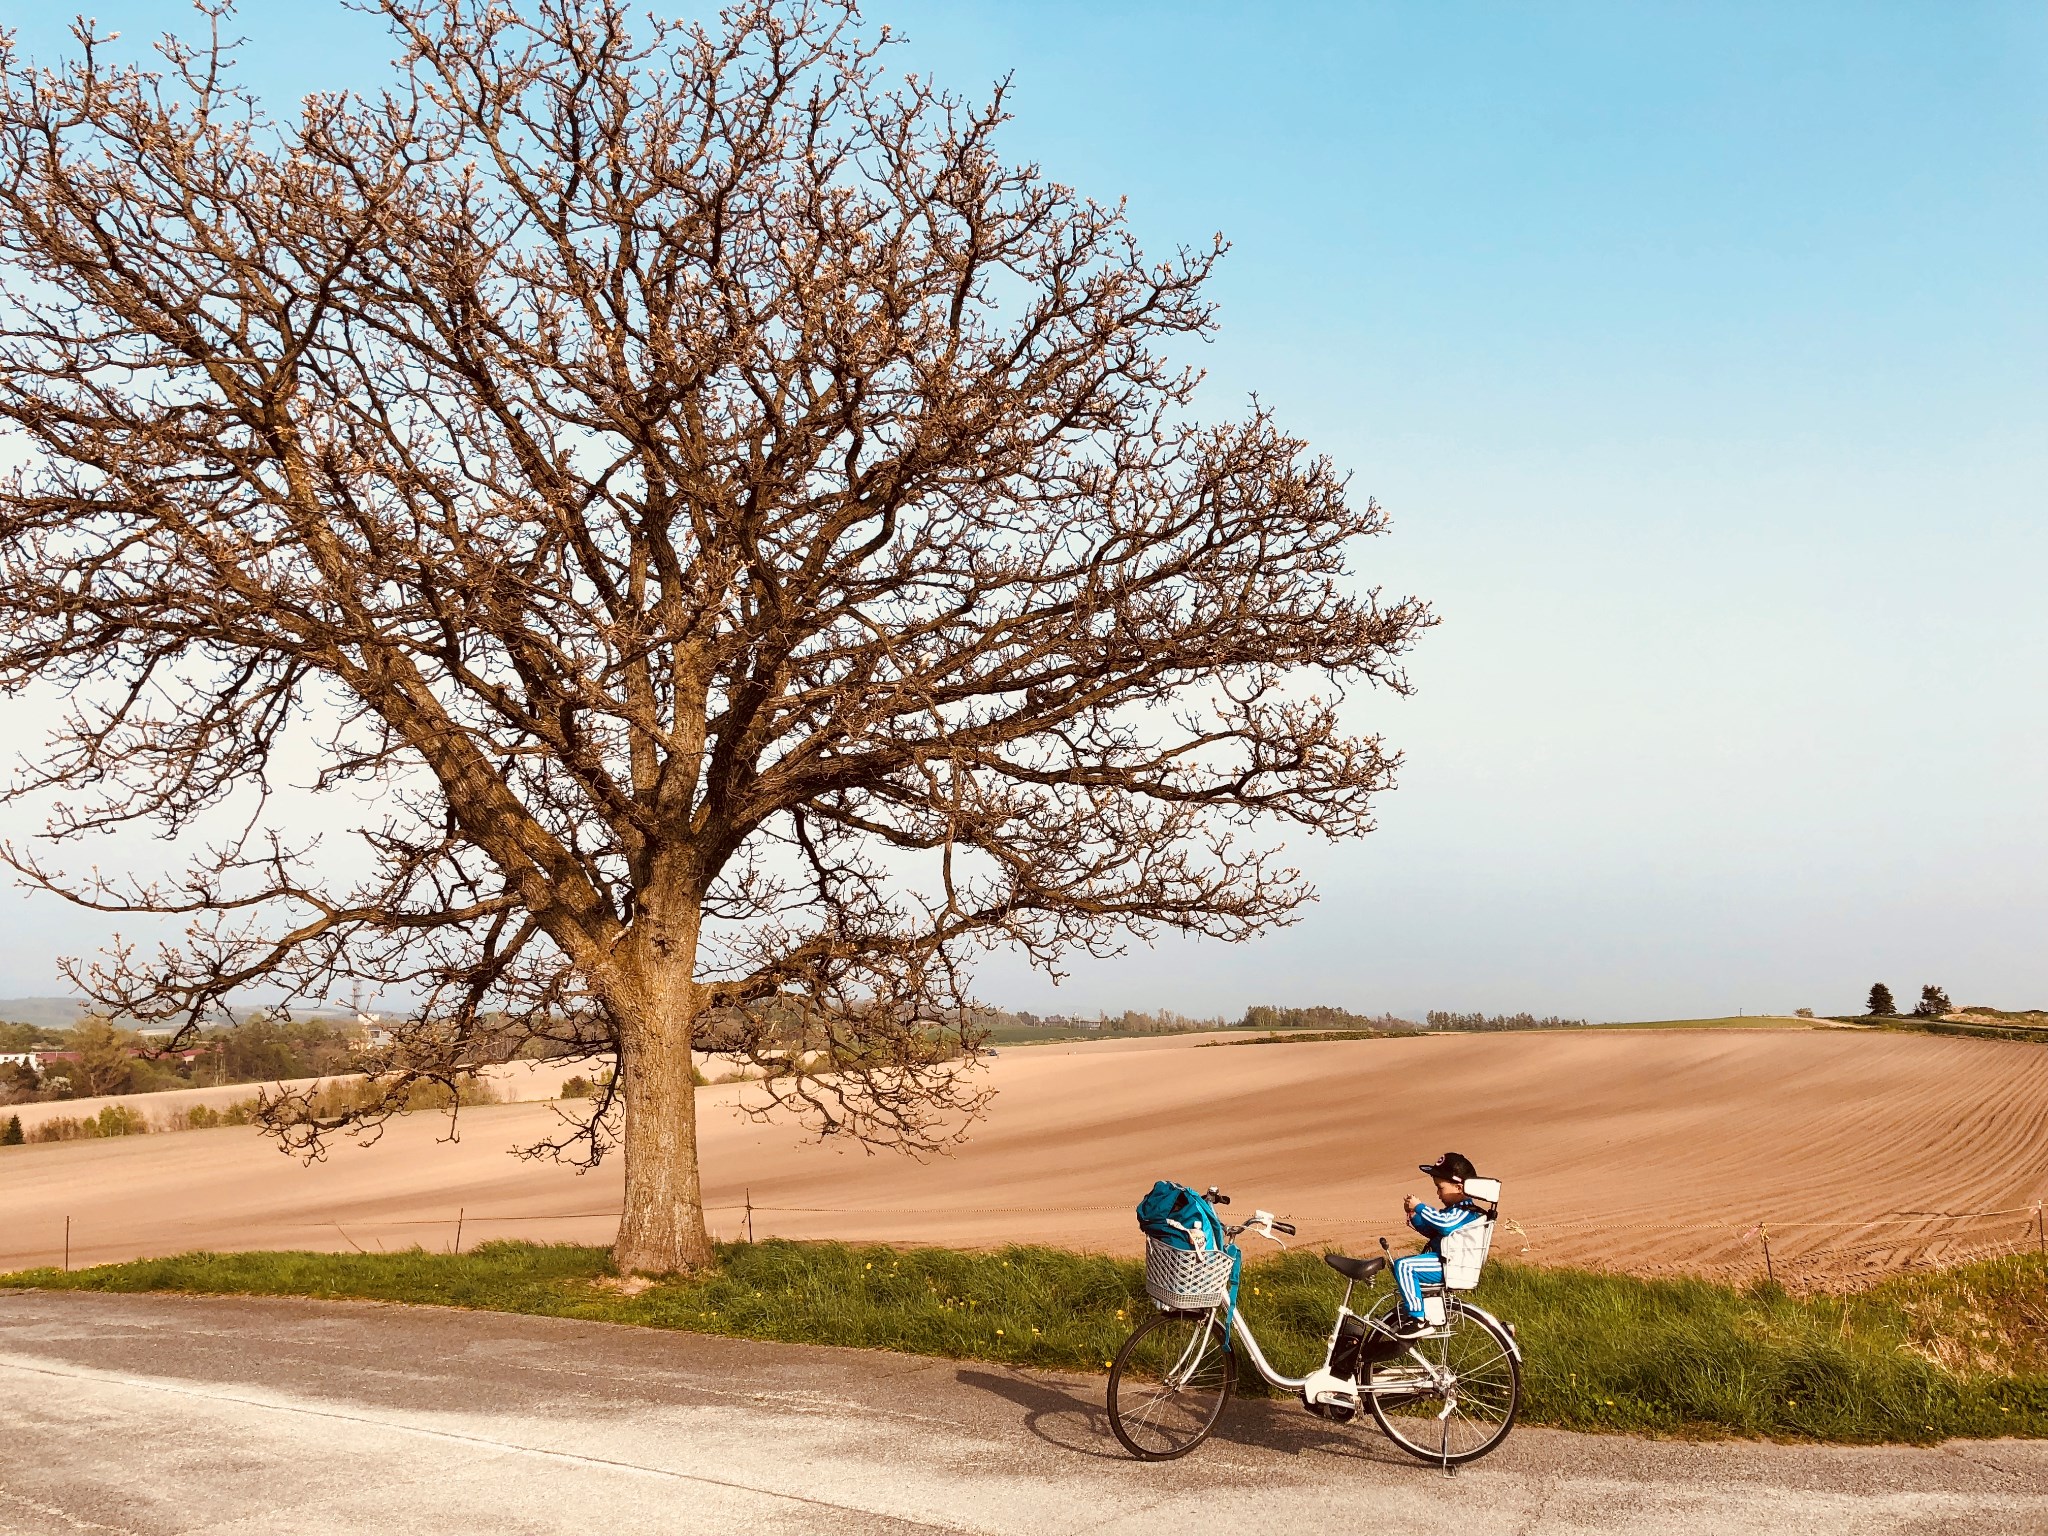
{"x": 1183, "y": 1279}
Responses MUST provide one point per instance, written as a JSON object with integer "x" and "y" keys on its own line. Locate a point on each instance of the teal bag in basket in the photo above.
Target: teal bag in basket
{"x": 1180, "y": 1218}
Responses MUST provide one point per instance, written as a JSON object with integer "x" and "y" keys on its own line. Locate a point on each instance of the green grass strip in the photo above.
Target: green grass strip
{"x": 1962, "y": 1353}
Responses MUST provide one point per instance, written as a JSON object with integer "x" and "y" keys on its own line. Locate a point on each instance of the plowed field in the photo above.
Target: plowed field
{"x": 1647, "y": 1151}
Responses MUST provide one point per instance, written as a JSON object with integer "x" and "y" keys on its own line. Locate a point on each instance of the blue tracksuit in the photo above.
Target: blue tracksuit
{"x": 1412, "y": 1271}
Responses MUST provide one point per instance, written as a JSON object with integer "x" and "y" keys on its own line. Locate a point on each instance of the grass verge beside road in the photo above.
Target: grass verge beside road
{"x": 1918, "y": 1359}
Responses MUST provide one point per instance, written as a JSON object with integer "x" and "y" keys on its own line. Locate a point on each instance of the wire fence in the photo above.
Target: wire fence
{"x": 1800, "y": 1254}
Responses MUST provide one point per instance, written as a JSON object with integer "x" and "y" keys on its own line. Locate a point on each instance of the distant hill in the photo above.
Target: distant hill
{"x": 44, "y": 1012}
{"x": 64, "y": 1012}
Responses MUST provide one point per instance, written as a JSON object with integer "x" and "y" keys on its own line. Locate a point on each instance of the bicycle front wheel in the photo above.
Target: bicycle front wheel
{"x": 1169, "y": 1384}
{"x": 1461, "y": 1403}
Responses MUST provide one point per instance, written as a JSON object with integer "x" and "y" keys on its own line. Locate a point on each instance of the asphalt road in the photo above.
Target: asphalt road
{"x": 148, "y": 1415}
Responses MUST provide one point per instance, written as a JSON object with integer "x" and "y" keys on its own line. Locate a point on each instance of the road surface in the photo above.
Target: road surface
{"x": 149, "y": 1415}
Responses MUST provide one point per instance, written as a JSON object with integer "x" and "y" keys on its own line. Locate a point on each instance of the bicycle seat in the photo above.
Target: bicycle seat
{"x": 1355, "y": 1269}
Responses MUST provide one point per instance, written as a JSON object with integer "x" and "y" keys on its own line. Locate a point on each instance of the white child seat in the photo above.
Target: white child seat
{"x": 1464, "y": 1251}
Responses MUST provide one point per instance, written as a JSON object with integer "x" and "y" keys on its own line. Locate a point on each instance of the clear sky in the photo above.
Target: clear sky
{"x": 1701, "y": 355}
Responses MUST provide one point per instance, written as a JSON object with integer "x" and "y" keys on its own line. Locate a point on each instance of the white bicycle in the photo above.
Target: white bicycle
{"x": 1448, "y": 1395}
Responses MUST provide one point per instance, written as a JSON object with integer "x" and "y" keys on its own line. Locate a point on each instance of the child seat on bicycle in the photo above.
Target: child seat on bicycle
{"x": 1415, "y": 1270}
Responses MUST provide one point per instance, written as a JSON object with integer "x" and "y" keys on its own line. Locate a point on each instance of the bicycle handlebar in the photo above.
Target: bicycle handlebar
{"x": 1265, "y": 1224}
{"x": 1264, "y": 1219}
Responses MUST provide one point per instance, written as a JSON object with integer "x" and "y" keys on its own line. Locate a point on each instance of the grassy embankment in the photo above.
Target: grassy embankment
{"x": 1920, "y": 1358}
{"x": 1981, "y": 1024}
{"x": 1739, "y": 1021}
{"x": 1751, "y": 1021}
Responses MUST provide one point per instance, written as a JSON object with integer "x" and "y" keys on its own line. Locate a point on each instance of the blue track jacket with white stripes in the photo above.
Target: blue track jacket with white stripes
{"x": 1436, "y": 1224}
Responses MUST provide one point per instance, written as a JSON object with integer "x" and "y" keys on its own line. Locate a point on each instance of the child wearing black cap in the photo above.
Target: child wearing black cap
{"x": 1413, "y": 1271}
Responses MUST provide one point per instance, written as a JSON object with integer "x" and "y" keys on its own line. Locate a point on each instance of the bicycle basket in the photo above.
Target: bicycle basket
{"x": 1184, "y": 1279}
{"x": 1464, "y": 1253}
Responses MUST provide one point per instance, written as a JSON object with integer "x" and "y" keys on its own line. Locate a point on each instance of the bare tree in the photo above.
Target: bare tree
{"x": 751, "y": 539}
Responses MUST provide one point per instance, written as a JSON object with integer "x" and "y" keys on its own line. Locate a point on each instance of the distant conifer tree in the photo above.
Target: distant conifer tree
{"x": 10, "y": 1134}
{"x": 1933, "y": 1003}
{"x": 1881, "y": 1004}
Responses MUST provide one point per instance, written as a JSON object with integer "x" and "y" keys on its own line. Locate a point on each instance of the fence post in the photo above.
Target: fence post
{"x": 67, "y": 1245}
{"x": 750, "y": 1215}
{"x": 1769, "y": 1273}
{"x": 459, "y": 1214}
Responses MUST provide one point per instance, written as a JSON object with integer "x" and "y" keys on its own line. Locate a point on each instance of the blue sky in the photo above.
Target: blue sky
{"x": 1701, "y": 355}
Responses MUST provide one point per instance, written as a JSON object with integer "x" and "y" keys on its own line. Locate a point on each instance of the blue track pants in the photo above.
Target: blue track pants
{"x": 1412, "y": 1271}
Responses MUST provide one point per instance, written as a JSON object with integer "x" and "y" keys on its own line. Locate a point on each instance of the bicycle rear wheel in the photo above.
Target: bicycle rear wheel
{"x": 1462, "y": 1404}
{"x": 1169, "y": 1384}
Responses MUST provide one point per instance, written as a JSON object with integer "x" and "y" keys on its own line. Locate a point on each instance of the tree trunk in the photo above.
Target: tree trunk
{"x": 662, "y": 1228}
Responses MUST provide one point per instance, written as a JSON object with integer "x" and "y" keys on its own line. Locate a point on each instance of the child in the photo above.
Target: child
{"x": 1412, "y": 1271}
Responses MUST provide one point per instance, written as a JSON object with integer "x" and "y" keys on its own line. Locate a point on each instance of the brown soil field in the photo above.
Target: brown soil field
{"x": 1653, "y": 1151}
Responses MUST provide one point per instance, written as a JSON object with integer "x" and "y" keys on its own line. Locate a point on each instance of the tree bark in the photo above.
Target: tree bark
{"x": 655, "y": 1004}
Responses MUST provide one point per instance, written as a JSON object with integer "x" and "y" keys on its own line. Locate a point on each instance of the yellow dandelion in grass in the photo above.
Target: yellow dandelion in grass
{"x": 999, "y": 1333}
{"x": 1106, "y": 1365}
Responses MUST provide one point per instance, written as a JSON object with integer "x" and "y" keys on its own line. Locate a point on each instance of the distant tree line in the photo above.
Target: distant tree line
{"x": 97, "y": 1058}
{"x": 1264, "y": 1017}
{"x": 1501, "y": 1021}
{"x": 1130, "y": 1022}
{"x": 1933, "y": 1004}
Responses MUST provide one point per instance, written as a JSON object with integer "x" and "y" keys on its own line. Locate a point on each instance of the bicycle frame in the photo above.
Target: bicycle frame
{"x": 1275, "y": 1379}
{"x": 1258, "y": 1356}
